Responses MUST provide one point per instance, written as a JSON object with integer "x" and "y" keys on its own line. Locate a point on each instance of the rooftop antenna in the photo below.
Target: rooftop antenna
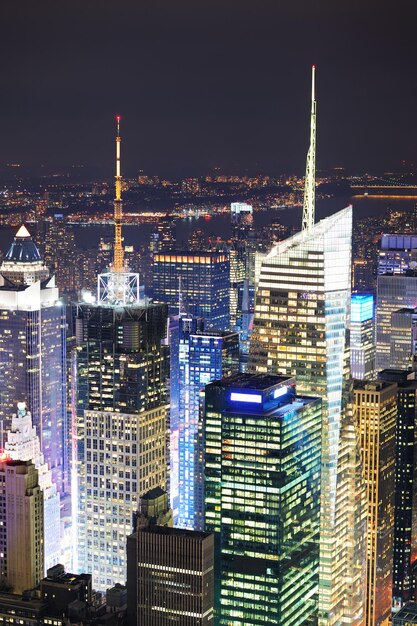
{"x": 118, "y": 264}
{"x": 310, "y": 178}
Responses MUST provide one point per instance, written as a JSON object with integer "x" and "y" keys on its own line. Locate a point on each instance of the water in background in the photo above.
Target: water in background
{"x": 219, "y": 225}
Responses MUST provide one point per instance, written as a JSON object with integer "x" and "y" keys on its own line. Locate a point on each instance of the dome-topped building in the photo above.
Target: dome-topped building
{"x": 32, "y": 348}
{"x": 22, "y": 264}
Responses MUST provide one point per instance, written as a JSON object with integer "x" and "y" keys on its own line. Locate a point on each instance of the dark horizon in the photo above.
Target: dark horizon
{"x": 206, "y": 86}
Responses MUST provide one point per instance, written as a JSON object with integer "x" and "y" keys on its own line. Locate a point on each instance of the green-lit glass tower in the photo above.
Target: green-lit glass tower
{"x": 262, "y": 498}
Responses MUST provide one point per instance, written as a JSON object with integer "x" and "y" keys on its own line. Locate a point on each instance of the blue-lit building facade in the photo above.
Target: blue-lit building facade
{"x": 204, "y": 357}
{"x": 262, "y": 499}
{"x": 180, "y": 327}
{"x": 362, "y": 336}
{"x": 205, "y": 285}
{"x": 33, "y": 350}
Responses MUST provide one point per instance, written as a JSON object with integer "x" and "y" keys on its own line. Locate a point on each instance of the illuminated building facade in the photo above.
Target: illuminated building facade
{"x": 33, "y": 349}
{"x": 394, "y": 292}
{"x": 376, "y": 411}
{"x": 62, "y": 255}
{"x": 208, "y": 357}
{"x": 205, "y": 280}
{"x": 301, "y": 313}
{"x": 237, "y": 259}
{"x": 405, "y": 515}
{"x": 119, "y": 403}
{"x": 262, "y": 498}
{"x": 362, "y": 336}
{"x": 21, "y": 537}
{"x": 403, "y": 339}
{"x": 125, "y": 456}
{"x": 396, "y": 252}
{"x": 23, "y": 445}
{"x": 120, "y": 409}
{"x": 239, "y": 211}
{"x": 180, "y": 327}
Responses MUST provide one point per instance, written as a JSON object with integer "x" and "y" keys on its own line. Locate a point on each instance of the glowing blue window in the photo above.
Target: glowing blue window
{"x": 362, "y": 307}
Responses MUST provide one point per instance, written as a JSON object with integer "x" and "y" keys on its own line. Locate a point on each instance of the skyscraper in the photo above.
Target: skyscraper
{"x": 33, "y": 349}
{"x": 237, "y": 258}
{"x": 170, "y": 570}
{"x": 180, "y": 327}
{"x": 362, "y": 336}
{"x": 119, "y": 399}
{"x": 61, "y": 253}
{"x": 394, "y": 292}
{"x": 21, "y": 536}
{"x": 211, "y": 355}
{"x": 262, "y": 498}
{"x": 301, "y": 313}
{"x": 205, "y": 280}
{"x": 396, "y": 252}
{"x": 405, "y": 512}
{"x": 376, "y": 409}
{"x": 403, "y": 339}
{"x": 300, "y": 330}
{"x": 23, "y": 445}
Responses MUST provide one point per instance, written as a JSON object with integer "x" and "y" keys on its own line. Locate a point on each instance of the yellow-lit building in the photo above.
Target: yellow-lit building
{"x": 22, "y": 525}
{"x": 376, "y": 411}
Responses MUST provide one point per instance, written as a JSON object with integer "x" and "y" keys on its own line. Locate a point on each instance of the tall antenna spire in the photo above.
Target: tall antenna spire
{"x": 118, "y": 287}
{"x": 118, "y": 264}
{"x": 310, "y": 179}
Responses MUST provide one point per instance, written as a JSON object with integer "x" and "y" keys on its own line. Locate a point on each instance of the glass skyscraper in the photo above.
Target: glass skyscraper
{"x": 180, "y": 327}
{"x": 33, "y": 349}
{"x": 203, "y": 278}
{"x": 204, "y": 357}
{"x": 394, "y": 292}
{"x": 403, "y": 340}
{"x": 301, "y": 316}
{"x": 262, "y": 498}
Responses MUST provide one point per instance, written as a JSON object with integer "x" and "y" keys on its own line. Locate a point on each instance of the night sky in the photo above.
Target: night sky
{"x": 202, "y": 84}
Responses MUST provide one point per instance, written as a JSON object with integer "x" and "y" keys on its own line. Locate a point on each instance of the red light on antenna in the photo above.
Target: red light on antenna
{"x": 118, "y": 118}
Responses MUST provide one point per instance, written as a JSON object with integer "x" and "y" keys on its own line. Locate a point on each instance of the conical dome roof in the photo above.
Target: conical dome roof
{"x": 23, "y": 248}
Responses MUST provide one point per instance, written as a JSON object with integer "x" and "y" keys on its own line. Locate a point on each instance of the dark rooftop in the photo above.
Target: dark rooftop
{"x": 408, "y": 612}
{"x": 175, "y": 532}
{"x": 156, "y": 492}
{"x": 251, "y": 381}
